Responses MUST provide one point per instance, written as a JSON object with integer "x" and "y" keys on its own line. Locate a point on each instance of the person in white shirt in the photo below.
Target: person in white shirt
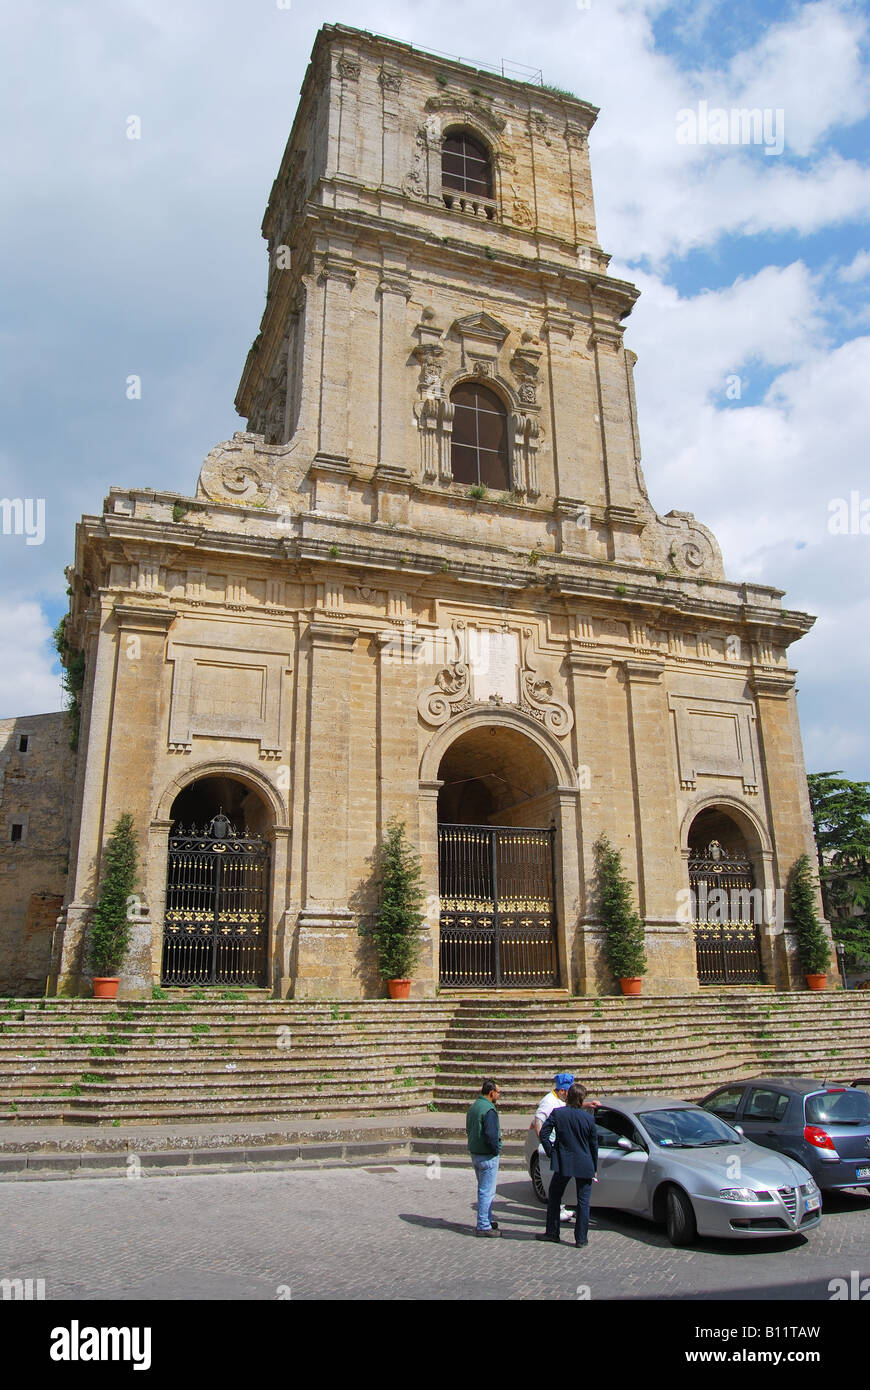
{"x": 562, "y": 1082}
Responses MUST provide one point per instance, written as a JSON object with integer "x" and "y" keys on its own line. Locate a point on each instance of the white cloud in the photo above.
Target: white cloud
{"x": 27, "y": 685}
{"x": 858, "y": 269}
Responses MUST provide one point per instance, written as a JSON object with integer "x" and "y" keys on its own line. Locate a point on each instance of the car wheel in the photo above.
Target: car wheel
{"x": 537, "y": 1180}
{"x": 680, "y": 1218}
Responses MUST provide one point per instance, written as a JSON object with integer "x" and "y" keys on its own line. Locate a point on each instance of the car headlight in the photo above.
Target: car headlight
{"x": 740, "y": 1194}
{"x": 809, "y": 1189}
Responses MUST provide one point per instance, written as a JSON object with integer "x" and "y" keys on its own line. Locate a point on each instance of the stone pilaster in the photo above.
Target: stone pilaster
{"x": 669, "y": 943}
{"x": 327, "y": 936}
{"x": 394, "y": 291}
{"x": 791, "y": 824}
{"x": 338, "y": 276}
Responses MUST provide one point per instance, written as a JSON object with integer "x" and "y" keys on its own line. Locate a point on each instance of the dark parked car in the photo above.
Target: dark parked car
{"x": 823, "y": 1125}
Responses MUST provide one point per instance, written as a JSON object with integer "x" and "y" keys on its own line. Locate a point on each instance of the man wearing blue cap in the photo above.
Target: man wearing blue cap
{"x": 562, "y": 1082}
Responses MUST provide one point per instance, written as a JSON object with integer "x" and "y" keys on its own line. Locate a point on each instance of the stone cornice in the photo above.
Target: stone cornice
{"x": 647, "y": 670}
{"x": 337, "y": 636}
{"x": 587, "y": 663}
{"x": 629, "y": 593}
{"x": 130, "y": 617}
{"x": 776, "y": 685}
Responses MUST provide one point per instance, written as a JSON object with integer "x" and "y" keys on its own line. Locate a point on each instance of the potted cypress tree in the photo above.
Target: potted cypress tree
{"x": 814, "y": 952}
{"x": 624, "y": 936}
{"x": 397, "y": 926}
{"x": 110, "y": 930}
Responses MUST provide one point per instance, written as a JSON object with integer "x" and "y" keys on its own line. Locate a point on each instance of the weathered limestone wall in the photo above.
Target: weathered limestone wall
{"x": 35, "y": 793}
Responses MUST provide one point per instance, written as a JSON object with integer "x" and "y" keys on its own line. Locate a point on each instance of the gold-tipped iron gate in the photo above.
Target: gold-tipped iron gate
{"x": 726, "y": 915}
{"x": 215, "y": 928}
{"x": 498, "y": 915}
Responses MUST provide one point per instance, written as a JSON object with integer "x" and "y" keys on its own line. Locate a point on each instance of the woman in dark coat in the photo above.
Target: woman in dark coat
{"x": 570, "y": 1142}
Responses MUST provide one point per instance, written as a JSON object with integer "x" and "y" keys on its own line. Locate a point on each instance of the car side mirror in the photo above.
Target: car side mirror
{"x": 625, "y": 1144}
{"x": 739, "y": 1129}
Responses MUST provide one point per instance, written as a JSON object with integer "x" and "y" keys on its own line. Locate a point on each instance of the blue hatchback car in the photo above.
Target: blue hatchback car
{"x": 823, "y": 1125}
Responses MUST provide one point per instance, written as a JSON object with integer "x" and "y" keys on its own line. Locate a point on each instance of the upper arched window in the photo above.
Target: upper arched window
{"x": 479, "y": 447}
{"x": 465, "y": 164}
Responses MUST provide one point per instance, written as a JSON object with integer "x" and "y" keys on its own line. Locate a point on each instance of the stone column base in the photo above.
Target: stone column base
{"x": 327, "y": 955}
{"x": 670, "y": 968}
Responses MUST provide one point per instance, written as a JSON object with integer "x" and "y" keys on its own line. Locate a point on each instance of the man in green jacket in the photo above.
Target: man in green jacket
{"x": 484, "y": 1145}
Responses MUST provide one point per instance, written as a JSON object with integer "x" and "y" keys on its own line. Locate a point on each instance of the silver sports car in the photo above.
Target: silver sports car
{"x": 670, "y": 1161}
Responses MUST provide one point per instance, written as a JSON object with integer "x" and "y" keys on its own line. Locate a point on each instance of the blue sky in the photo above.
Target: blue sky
{"x": 145, "y": 257}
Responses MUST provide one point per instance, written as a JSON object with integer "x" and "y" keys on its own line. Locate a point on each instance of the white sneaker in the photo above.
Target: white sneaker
{"x": 566, "y": 1214}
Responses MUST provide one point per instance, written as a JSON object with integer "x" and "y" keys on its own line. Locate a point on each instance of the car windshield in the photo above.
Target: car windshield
{"x": 850, "y": 1107}
{"x": 687, "y": 1129}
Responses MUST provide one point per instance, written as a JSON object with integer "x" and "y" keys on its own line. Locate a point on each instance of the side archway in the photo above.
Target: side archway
{"x": 728, "y": 902}
{"x": 217, "y": 870}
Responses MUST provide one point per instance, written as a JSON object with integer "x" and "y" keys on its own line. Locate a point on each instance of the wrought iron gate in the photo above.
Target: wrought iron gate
{"x": 215, "y": 928}
{"x": 498, "y": 918}
{"x": 726, "y": 915}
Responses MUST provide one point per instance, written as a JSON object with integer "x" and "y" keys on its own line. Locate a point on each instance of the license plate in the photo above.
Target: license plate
{"x": 813, "y": 1203}
{"x": 863, "y": 1173}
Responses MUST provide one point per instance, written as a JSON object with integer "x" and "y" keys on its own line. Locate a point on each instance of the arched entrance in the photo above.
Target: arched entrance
{"x": 727, "y": 906}
{"x": 498, "y": 806}
{"x": 216, "y": 920}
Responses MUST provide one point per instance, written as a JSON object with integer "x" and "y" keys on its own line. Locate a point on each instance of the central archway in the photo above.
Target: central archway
{"x": 498, "y": 813}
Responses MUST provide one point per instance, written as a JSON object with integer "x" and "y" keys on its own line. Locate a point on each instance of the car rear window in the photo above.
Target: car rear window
{"x": 850, "y": 1107}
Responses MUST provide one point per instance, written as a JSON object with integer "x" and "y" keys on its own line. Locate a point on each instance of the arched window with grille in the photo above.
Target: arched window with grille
{"x": 466, "y": 173}
{"x": 479, "y": 446}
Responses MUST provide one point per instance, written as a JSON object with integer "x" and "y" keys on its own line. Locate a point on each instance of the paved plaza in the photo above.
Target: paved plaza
{"x": 390, "y": 1231}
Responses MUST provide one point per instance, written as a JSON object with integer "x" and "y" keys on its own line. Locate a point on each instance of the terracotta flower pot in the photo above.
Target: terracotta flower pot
{"x": 631, "y": 985}
{"x": 106, "y": 986}
{"x": 817, "y": 981}
{"x": 399, "y": 989}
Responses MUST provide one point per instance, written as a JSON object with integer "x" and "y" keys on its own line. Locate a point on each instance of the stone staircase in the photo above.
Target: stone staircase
{"x": 185, "y": 1060}
{"x": 92, "y": 1062}
{"x": 671, "y": 1046}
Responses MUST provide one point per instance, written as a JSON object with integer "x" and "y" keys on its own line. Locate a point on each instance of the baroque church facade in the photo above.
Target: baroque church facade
{"x": 427, "y": 582}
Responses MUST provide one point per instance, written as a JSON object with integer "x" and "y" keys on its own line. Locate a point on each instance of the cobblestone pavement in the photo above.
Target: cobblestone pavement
{"x": 385, "y": 1232}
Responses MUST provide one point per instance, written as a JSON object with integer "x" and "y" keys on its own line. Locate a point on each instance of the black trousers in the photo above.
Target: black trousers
{"x": 558, "y": 1183}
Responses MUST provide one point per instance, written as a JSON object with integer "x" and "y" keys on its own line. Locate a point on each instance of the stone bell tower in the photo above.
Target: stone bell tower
{"x": 428, "y": 223}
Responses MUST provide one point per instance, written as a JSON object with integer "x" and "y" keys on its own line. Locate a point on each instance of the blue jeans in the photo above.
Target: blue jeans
{"x": 487, "y": 1175}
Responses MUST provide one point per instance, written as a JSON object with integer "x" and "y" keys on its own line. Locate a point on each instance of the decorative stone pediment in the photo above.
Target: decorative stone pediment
{"x": 482, "y": 326}
{"x": 482, "y": 337}
{"x": 492, "y": 667}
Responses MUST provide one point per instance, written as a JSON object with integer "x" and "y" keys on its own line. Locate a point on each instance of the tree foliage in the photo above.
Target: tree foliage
{"x": 813, "y": 949}
{"x": 397, "y": 928}
{"x": 841, "y": 820}
{"x": 72, "y": 663}
{"x": 110, "y": 930}
{"x": 624, "y": 934}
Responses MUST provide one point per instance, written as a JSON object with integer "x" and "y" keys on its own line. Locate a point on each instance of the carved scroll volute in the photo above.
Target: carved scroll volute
{"x": 524, "y": 453}
{"x": 538, "y": 697}
{"x": 448, "y": 410}
{"x": 518, "y": 451}
{"x": 452, "y": 689}
{"x": 533, "y": 430}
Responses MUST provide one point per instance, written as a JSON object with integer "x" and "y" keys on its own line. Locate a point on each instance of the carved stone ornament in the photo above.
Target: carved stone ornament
{"x": 244, "y": 469}
{"x": 451, "y": 693}
{"x": 521, "y": 213}
{"x": 349, "y": 68}
{"x": 682, "y": 545}
{"x": 414, "y": 183}
{"x": 471, "y": 111}
{"x": 390, "y": 79}
{"x": 537, "y": 694}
